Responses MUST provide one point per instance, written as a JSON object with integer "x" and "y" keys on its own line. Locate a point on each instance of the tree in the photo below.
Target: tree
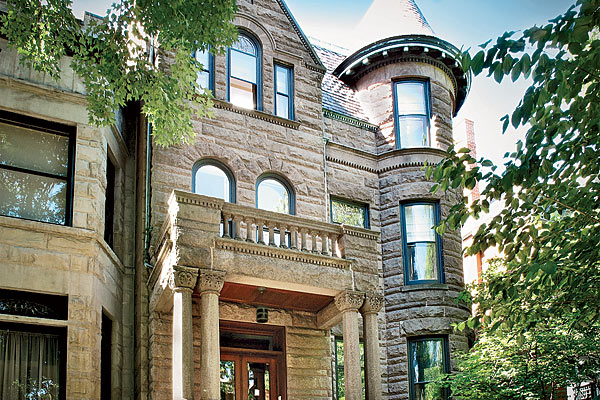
{"x": 549, "y": 229}
{"x": 114, "y": 57}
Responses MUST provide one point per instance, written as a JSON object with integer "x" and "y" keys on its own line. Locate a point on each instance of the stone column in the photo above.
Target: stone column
{"x": 182, "y": 282}
{"x": 348, "y": 302}
{"x": 210, "y": 283}
{"x": 370, "y": 308}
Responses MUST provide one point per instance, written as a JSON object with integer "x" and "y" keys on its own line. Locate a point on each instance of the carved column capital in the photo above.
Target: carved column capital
{"x": 373, "y": 303}
{"x": 210, "y": 281}
{"x": 349, "y": 300}
{"x": 182, "y": 278}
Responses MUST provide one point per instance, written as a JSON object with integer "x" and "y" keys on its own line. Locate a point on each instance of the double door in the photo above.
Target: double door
{"x": 247, "y": 375}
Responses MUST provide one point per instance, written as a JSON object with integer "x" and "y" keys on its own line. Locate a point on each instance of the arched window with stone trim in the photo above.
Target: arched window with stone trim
{"x": 244, "y": 78}
{"x": 274, "y": 193}
{"x": 212, "y": 178}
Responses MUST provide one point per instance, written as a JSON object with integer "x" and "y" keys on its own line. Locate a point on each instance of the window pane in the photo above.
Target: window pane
{"x": 202, "y": 58}
{"x": 242, "y": 93}
{"x": 349, "y": 214}
{"x": 427, "y": 359}
{"x": 422, "y": 261}
{"x": 413, "y": 131}
{"x": 283, "y": 84}
{"x": 212, "y": 181}
{"x": 245, "y": 44}
{"x": 202, "y": 80}
{"x": 273, "y": 196}
{"x": 283, "y": 109}
{"x": 34, "y": 150}
{"x": 227, "y": 380}
{"x": 243, "y": 66}
{"x": 30, "y": 365}
{"x": 32, "y": 197}
{"x": 410, "y": 98}
{"x": 419, "y": 220}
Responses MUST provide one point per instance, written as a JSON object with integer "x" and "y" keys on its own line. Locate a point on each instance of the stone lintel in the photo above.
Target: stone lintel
{"x": 329, "y": 316}
{"x": 210, "y": 281}
{"x": 349, "y": 300}
{"x": 373, "y": 303}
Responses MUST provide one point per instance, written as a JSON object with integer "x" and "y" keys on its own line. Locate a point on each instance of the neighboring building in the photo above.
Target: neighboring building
{"x": 263, "y": 261}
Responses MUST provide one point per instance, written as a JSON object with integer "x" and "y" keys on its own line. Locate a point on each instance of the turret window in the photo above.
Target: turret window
{"x": 421, "y": 243}
{"x": 428, "y": 361}
{"x": 412, "y": 113}
{"x": 244, "y": 73}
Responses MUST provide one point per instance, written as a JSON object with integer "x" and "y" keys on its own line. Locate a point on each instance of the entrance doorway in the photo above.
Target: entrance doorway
{"x": 252, "y": 362}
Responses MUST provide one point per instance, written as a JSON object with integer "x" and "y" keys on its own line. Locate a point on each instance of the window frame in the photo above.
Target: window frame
{"x": 210, "y": 68}
{"x": 438, "y": 242}
{"x": 218, "y": 164}
{"x": 55, "y": 128}
{"x": 364, "y": 206}
{"x": 446, "y": 360}
{"x": 427, "y": 93}
{"x": 259, "y": 53}
{"x": 290, "y": 73}
{"x": 286, "y": 185}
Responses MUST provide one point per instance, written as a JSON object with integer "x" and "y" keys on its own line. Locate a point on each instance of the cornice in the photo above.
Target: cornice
{"x": 224, "y": 105}
{"x": 359, "y": 123}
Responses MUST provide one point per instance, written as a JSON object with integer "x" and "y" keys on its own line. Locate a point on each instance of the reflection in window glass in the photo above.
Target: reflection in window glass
{"x": 343, "y": 212}
{"x": 243, "y": 73}
{"x": 259, "y": 381}
{"x": 227, "y": 380}
{"x": 203, "y": 78}
{"x": 412, "y": 113}
{"x": 273, "y": 196}
{"x": 427, "y": 363}
{"x": 421, "y": 242}
{"x": 211, "y": 180}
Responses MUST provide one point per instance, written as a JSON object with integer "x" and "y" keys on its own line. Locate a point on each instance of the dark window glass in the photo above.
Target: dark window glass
{"x": 421, "y": 242}
{"x": 109, "y": 204}
{"x": 244, "y": 72}
{"x": 106, "y": 358}
{"x": 427, "y": 362}
{"x": 412, "y": 113}
{"x": 349, "y": 213}
{"x": 284, "y": 103}
{"x": 35, "y": 169}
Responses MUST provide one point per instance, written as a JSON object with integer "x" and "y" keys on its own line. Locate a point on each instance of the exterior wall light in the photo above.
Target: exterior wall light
{"x": 262, "y": 313}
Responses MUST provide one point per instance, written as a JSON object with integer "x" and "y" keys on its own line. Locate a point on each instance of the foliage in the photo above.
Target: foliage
{"x": 114, "y": 59}
{"x": 549, "y": 227}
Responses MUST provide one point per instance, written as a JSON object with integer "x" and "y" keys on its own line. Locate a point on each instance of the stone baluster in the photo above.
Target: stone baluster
{"x": 293, "y": 237}
{"x": 182, "y": 281}
{"x": 313, "y": 235}
{"x": 250, "y": 232}
{"x": 282, "y": 232}
{"x": 226, "y": 217}
{"x": 303, "y": 237}
{"x": 370, "y": 308}
{"x": 210, "y": 283}
{"x": 272, "y": 233}
{"x": 348, "y": 302}
{"x": 324, "y": 243}
{"x": 260, "y": 231}
{"x": 237, "y": 223}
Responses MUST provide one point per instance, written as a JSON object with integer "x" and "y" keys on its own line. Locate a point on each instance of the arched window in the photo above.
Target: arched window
{"x": 244, "y": 79}
{"x": 211, "y": 178}
{"x": 274, "y": 194}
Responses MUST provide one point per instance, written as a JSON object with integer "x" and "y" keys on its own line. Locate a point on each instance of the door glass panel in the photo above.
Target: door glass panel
{"x": 227, "y": 380}
{"x": 259, "y": 381}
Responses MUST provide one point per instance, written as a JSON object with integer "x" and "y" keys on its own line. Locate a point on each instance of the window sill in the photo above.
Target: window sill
{"x": 288, "y": 123}
{"x": 424, "y": 286}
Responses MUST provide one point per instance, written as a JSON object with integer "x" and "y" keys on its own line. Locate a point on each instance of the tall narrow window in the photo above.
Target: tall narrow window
{"x": 422, "y": 258}
{"x": 412, "y": 113}
{"x": 109, "y": 203}
{"x": 106, "y": 358}
{"x": 204, "y": 80}
{"x": 427, "y": 360}
{"x": 244, "y": 73}
{"x": 211, "y": 178}
{"x": 36, "y": 169}
{"x": 284, "y": 100}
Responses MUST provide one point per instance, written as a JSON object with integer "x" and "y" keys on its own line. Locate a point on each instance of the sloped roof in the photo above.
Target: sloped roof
{"x": 337, "y": 96}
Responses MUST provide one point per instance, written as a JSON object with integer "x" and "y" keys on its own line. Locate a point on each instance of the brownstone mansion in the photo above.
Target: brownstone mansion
{"x": 287, "y": 253}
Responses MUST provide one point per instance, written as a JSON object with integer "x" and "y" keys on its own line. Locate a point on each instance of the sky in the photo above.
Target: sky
{"x": 464, "y": 23}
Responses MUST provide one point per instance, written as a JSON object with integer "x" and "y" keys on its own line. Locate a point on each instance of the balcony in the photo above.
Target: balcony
{"x": 262, "y": 248}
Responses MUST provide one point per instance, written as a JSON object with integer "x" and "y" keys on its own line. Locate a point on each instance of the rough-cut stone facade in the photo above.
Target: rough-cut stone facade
{"x": 165, "y": 327}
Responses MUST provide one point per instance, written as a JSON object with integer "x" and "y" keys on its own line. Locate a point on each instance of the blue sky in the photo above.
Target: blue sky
{"x": 465, "y": 23}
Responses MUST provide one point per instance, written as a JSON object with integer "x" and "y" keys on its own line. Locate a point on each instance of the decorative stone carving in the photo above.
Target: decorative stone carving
{"x": 210, "y": 281}
{"x": 349, "y": 300}
{"x": 183, "y": 277}
{"x": 373, "y": 303}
